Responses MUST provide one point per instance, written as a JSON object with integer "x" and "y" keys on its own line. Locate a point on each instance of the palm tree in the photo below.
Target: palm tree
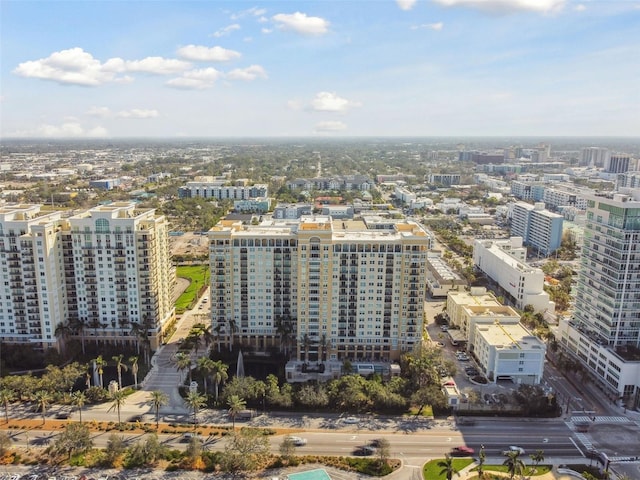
{"x": 78, "y": 326}
{"x": 195, "y": 400}
{"x": 233, "y": 328}
{"x": 134, "y": 369}
{"x": 220, "y": 375}
{"x": 482, "y": 457}
{"x": 6, "y": 397}
{"x": 118, "y": 399}
{"x": 157, "y": 399}
{"x": 62, "y": 332}
{"x": 203, "y": 331}
{"x": 305, "y": 340}
{"x": 79, "y": 399}
{"x": 236, "y": 405}
{"x": 100, "y": 364}
{"x": 283, "y": 329}
{"x": 206, "y": 366}
{"x": 513, "y": 463}
{"x": 323, "y": 346}
{"x": 536, "y": 458}
{"x": 183, "y": 362}
{"x": 218, "y": 334}
{"x": 42, "y": 398}
{"x": 120, "y": 365}
{"x": 447, "y": 467}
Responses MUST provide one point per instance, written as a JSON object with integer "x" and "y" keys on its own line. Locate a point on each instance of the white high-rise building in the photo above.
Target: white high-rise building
{"x": 337, "y": 289}
{"x": 97, "y": 272}
{"x": 604, "y": 333}
{"x": 594, "y": 156}
{"x": 32, "y": 288}
{"x": 122, "y": 271}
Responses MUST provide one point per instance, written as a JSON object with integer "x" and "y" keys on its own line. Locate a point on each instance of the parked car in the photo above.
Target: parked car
{"x": 351, "y": 420}
{"x": 297, "y": 441}
{"x": 462, "y": 451}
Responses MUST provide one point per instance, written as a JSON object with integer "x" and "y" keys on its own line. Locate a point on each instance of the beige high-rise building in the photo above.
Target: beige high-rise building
{"x": 122, "y": 272}
{"x": 99, "y": 272}
{"x": 324, "y": 289}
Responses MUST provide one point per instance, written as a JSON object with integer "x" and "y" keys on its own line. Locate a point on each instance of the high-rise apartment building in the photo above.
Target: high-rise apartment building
{"x": 594, "y": 156}
{"x": 122, "y": 271}
{"x": 99, "y": 271}
{"x": 32, "y": 289}
{"x": 604, "y": 333}
{"x": 341, "y": 289}
{"x": 539, "y": 228}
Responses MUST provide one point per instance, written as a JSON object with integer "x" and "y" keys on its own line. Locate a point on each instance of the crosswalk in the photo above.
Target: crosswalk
{"x": 600, "y": 419}
{"x": 584, "y": 440}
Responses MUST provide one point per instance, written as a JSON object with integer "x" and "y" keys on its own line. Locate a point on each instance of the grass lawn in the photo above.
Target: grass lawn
{"x": 198, "y": 275}
{"x": 431, "y": 470}
{"x": 427, "y": 411}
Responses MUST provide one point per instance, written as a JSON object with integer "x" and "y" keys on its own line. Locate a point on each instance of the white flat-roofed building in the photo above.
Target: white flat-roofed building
{"x": 405, "y": 195}
{"x": 561, "y": 195}
{"x": 219, "y": 190}
{"x": 539, "y": 228}
{"x": 503, "y": 262}
{"x": 509, "y": 352}
{"x": 473, "y": 315}
{"x": 458, "y": 299}
{"x": 440, "y": 277}
{"x": 353, "y": 288}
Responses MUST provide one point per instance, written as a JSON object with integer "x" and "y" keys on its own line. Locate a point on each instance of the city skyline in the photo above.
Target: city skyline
{"x": 280, "y": 69}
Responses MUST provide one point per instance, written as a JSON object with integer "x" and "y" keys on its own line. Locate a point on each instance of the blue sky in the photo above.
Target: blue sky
{"x": 321, "y": 68}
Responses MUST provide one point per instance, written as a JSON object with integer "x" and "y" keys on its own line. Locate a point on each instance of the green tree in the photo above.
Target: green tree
{"x": 515, "y": 466}
{"x": 42, "y": 399}
{"x": 116, "y": 446}
{"x": 384, "y": 451}
{"x": 236, "y": 405}
{"x": 206, "y": 366}
{"x": 287, "y": 448}
{"x": 120, "y": 366}
{"x": 118, "y": 399}
{"x": 6, "y": 397}
{"x": 5, "y": 443}
{"x": 76, "y": 438}
{"x": 78, "y": 399}
{"x": 536, "y": 458}
{"x": 157, "y": 399}
{"x": 220, "y": 375}
{"x": 100, "y": 364}
{"x": 183, "y": 362}
{"x": 245, "y": 450}
{"x": 448, "y": 470}
{"x": 195, "y": 400}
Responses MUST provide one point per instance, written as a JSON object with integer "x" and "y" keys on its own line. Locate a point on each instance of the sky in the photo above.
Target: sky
{"x": 326, "y": 68}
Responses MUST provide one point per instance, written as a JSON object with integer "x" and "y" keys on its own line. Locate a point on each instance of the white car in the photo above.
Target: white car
{"x": 351, "y": 420}
{"x": 513, "y": 448}
{"x": 297, "y": 441}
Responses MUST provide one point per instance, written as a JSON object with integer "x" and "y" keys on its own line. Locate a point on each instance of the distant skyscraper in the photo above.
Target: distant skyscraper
{"x": 594, "y": 157}
{"x": 604, "y": 333}
{"x": 618, "y": 163}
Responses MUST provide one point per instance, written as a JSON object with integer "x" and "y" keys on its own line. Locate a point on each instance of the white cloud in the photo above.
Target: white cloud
{"x": 301, "y": 23}
{"x": 431, "y": 26}
{"x": 266, "y": 31}
{"x": 406, "y": 4}
{"x": 250, "y": 73}
{"x": 580, "y": 8}
{"x": 103, "y": 112}
{"x": 137, "y": 113}
{"x": 196, "y": 79}
{"x": 543, "y": 6}
{"x": 73, "y": 66}
{"x": 254, "y": 12}
{"x": 155, "y": 65}
{"x": 294, "y": 104}
{"x": 330, "y": 102}
{"x": 330, "y": 126}
{"x": 77, "y": 67}
{"x": 200, "y": 53}
{"x": 226, "y": 30}
{"x": 66, "y": 130}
